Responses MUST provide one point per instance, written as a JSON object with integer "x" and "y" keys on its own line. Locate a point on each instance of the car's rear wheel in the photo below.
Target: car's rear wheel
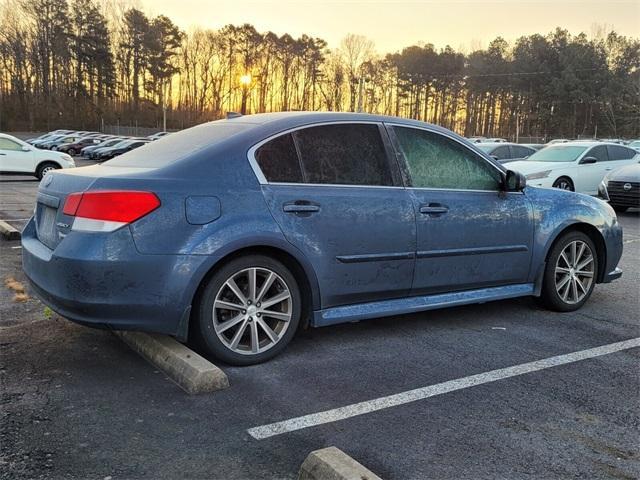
{"x": 571, "y": 272}
{"x": 45, "y": 168}
{"x": 564, "y": 183}
{"x": 72, "y": 151}
{"x": 248, "y": 311}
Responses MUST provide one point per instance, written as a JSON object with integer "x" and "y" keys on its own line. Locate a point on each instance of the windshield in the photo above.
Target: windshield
{"x": 635, "y": 144}
{"x": 173, "y": 147}
{"x": 557, "y": 153}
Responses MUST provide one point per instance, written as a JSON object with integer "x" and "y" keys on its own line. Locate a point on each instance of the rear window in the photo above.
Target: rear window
{"x": 172, "y": 147}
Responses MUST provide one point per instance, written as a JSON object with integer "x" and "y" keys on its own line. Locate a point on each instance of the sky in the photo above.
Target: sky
{"x": 392, "y": 25}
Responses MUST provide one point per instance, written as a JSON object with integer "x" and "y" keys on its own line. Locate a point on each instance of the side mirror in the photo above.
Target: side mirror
{"x": 515, "y": 181}
{"x": 587, "y": 160}
{"x": 26, "y": 149}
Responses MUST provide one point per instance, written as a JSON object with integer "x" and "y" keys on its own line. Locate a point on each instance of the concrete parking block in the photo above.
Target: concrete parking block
{"x": 8, "y": 231}
{"x": 333, "y": 464}
{"x": 193, "y": 373}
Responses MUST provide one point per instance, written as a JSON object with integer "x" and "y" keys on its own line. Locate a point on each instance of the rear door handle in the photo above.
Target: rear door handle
{"x": 300, "y": 208}
{"x": 434, "y": 209}
{"x": 608, "y": 168}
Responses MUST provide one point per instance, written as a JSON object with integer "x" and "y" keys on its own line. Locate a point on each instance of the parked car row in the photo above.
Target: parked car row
{"x": 102, "y": 146}
{"x": 54, "y": 150}
{"x": 113, "y": 147}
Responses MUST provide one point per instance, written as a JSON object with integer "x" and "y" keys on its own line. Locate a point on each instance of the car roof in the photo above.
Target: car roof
{"x": 583, "y": 143}
{"x": 267, "y": 124}
{"x": 10, "y": 137}
{"x": 502, "y": 144}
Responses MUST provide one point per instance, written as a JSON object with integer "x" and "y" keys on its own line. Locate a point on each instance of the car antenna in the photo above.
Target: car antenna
{"x": 233, "y": 115}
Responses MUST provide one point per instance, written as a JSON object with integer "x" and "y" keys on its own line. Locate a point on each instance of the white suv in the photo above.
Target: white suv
{"x": 20, "y": 158}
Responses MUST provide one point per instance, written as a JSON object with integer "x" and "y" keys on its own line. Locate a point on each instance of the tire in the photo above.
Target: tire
{"x": 564, "y": 183}
{"x": 620, "y": 209}
{"x": 71, "y": 151}
{"x": 45, "y": 168}
{"x": 249, "y": 318}
{"x": 564, "y": 295}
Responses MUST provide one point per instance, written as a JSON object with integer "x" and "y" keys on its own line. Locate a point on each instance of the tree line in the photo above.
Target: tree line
{"x": 82, "y": 64}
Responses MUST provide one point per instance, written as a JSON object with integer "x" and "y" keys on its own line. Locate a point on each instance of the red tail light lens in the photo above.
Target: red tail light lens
{"x": 111, "y": 206}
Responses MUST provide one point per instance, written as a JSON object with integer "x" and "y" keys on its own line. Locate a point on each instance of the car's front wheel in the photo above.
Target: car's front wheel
{"x": 571, "y": 272}
{"x": 564, "y": 183}
{"x": 248, "y": 311}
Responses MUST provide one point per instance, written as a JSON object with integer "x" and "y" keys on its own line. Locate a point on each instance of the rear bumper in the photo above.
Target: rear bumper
{"x": 101, "y": 280}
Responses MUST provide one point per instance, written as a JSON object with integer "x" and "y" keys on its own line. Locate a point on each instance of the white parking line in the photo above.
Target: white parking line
{"x": 342, "y": 413}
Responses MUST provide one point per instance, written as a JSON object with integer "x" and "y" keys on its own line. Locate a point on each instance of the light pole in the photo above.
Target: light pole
{"x": 245, "y": 81}
{"x": 164, "y": 117}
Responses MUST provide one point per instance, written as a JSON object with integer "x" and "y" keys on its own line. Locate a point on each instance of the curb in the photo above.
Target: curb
{"x": 193, "y": 373}
{"x": 9, "y": 232}
{"x": 333, "y": 464}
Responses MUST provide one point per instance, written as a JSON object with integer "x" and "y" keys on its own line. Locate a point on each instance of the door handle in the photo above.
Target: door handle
{"x": 300, "y": 208}
{"x": 434, "y": 209}
{"x": 608, "y": 168}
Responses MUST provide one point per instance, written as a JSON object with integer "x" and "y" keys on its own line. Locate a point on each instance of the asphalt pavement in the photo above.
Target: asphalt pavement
{"x": 78, "y": 403}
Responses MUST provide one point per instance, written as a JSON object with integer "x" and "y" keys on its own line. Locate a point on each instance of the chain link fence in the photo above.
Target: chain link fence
{"x": 130, "y": 131}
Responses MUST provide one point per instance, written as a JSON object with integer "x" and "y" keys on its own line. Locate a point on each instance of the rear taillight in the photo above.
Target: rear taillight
{"x": 108, "y": 210}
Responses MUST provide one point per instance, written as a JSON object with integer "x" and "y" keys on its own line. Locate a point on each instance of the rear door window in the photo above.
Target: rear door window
{"x": 520, "y": 151}
{"x": 344, "y": 154}
{"x": 501, "y": 153}
{"x": 618, "y": 152}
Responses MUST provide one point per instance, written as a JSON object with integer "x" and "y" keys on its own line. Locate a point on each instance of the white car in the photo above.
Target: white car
{"x": 20, "y": 158}
{"x": 575, "y": 166}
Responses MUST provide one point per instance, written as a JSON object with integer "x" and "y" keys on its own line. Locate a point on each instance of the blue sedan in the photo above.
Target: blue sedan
{"x": 238, "y": 232}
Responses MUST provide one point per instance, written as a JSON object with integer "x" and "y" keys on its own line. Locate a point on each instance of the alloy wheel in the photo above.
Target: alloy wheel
{"x": 563, "y": 185}
{"x": 48, "y": 169}
{"x": 252, "y": 310}
{"x": 574, "y": 272}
